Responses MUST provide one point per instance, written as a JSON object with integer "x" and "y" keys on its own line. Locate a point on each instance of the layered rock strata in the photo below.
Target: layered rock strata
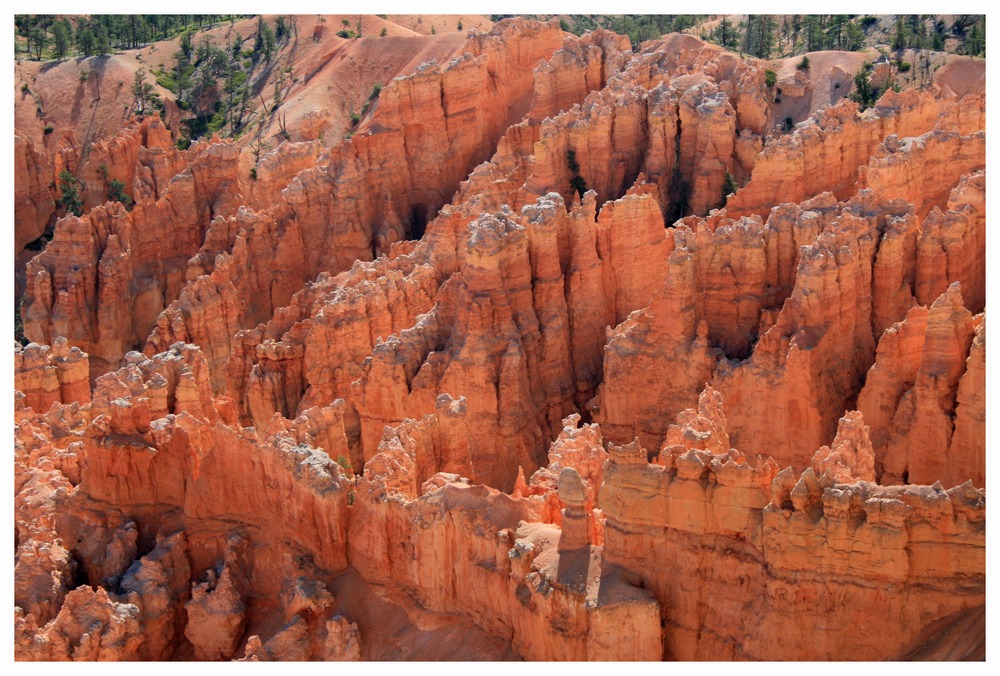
{"x": 463, "y": 374}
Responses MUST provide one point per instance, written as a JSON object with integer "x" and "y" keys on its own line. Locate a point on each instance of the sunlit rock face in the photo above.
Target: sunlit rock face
{"x": 504, "y": 374}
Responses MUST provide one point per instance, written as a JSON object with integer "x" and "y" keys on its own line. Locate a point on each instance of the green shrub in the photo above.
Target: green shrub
{"x": 116, "y": 193}
{"x": 576, "y": 182}
{"x": 19, "y": 322}
{"x": 905, "y": 66}
{"x": 770, "y": 78}
{"x": 803, "y": 64}
{"x": 216, "y": 123}
{"x": 382, "y": 33}
{"x": 25, "y": 88}
{"x": 69, "y": 193}
{"x": 864, "y": 93}
{"x": 571, "y": 162}
{"x": 48, "y": 130}
{"x": 728, "y": 187}
{"x": 355, "y": 118}
{"x": 167, "y": 81}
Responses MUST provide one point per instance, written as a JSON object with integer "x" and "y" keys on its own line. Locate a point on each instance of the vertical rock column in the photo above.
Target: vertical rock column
{"x": 575, "y": 533}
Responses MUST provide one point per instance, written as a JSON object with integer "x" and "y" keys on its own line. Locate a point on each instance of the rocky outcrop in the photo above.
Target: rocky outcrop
{"x": 805, "y": 367}
{"x": 154, "y": 443}
{"x": 90, "y": 627}
{"x": 950, "y": 246}
{"x": 851, "y": 457}
{"x": 924, "y": 169}
{"x": 33, "y": 201}
{"x": 799, "y": 165}
{"x": 45, "y": 375}
{"x": 470, "y": 556}
{"x": 910, "y": 397}
{"x": 580, "y": 448}
{"x": 636, "y": 396}
{"x": 216, "y": 612}
{"x": 578, "y": 68}
{"x": 766, "y": 528}
{"x": 458, "y": 380}
{"x": 529, "y": 269}
{"x": 106, "y": 276}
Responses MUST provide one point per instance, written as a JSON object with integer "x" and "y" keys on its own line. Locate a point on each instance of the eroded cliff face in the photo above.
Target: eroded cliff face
{"x": 33, "y": 202}
{"x": 854, "y": 547}
{"x": 507, "y": 365}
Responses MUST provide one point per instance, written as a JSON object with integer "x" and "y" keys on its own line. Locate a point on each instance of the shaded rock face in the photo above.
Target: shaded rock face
{"x": 33, "y": 202}
{"x": 507, "y": 365}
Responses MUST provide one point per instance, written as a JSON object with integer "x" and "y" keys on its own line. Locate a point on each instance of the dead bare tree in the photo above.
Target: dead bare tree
{"x": 281, "y": 126}
{"x": 258, "y": 146}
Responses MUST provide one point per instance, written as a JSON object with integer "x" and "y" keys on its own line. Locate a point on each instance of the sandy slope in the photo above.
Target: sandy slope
{"x": 321, "y": 77}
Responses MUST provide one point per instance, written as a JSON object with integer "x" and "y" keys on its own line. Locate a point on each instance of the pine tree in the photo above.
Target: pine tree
{"x": 264, "y": 44}
{"x": 839, "y": 31}
{"x": 765, "y": 39}
{"x": 725, "y": 34}
{"x": 814, "y": 33}
{"x": 855, "y": 41}
{"x": 37, "y": 41}
{"x": 102, "y": 40}
{"x": 85, "y": 40}
{"x": 69, "y": 193}
{"x": 61, "y": 38}
{"x": 759, "y": 38}
{"x": 899, "y": 35}
{"x": 187, "y": 43}
{"x": 142, "y": 91}
{"x": 864, "y": 93}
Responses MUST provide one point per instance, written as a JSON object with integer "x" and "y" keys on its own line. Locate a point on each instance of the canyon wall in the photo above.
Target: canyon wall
{"x": 507, "y": 370}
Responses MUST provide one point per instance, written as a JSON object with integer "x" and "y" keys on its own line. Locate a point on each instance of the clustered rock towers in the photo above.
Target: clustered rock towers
{"x": 577, "y": 425}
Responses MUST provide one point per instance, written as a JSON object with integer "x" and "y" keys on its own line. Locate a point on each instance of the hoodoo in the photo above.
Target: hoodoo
{"x": 483, "y": 338}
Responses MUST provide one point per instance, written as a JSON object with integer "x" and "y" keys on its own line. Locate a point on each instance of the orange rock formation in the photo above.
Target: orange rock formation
{"x": 414, "y": 389}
